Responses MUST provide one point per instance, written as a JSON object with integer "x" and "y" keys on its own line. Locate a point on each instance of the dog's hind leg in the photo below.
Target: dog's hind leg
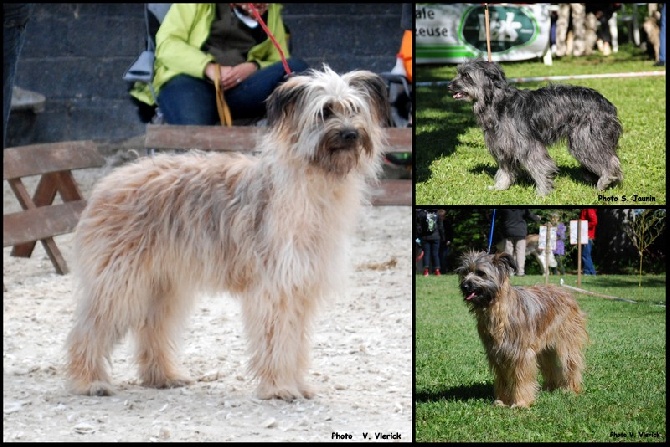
{"x": 596, "y": 151}
{"x": 607, "y": 172}
{"x": 551, "y": 369}
{"x": 570, "y": 364}
{"x": 611, "y": 175}
{"x": 278, "y": 328}
{"x": 158, "y": 338}
{"x": 99, "y": 325}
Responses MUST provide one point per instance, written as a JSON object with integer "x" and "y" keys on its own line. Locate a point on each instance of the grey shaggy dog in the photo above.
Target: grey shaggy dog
{"x": 518, "y": 126}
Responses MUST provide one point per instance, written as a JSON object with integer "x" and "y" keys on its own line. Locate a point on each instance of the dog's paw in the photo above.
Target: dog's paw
{"x": 520, "y": 404}
{"x": 287, "y": 393}
{"x": 174, "y": 382}
{"x": 604, "y": 182}
{"x": 499, "y": 187}
{"x": 307, "y": 391}
{"x": 96, "y": 388}
{"x": 496, "y": 188}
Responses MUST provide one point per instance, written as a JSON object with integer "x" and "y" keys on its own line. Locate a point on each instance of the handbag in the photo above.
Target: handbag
{"x": 142, "y": 70}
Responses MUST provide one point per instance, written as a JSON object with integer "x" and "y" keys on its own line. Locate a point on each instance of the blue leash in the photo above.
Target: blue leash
{"x": 493, "y": 219}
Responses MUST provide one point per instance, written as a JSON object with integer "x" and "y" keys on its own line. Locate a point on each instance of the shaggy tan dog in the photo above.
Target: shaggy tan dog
{"x": 522, "y": 328}
{"x": 271, "y": 230}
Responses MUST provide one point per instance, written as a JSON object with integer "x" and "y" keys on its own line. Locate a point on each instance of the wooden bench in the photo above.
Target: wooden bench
{"x": 243, "y": 139}
{"x": 40, "y": 219}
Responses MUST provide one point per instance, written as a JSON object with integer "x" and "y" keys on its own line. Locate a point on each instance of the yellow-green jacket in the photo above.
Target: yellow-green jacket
{"x": 178, "y": 41}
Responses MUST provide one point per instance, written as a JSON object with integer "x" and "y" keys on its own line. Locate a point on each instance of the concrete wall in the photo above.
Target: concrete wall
{"x": 75, "y": 55}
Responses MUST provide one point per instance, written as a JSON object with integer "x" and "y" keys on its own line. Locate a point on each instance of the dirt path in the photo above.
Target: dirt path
{"x": 361, "y": 367}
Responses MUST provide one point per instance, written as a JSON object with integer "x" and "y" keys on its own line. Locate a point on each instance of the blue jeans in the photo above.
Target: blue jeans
{"x": 15, "y": 20}
{"x": 587, "y": 262}
{"x": 431, "y": 254}
{"x": 188, "y": 100}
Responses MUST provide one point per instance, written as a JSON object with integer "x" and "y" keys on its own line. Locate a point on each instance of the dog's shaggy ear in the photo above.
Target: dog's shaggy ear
{"x": 495, "y": 77}
{"x": 505, "y": 260}
{"x": 373, "y": 87}
{"x": 493, "y": 72}
{"x": 283, "y": 99}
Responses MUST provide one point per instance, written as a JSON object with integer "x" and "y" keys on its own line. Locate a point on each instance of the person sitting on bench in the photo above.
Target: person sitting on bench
{"x": 195, "y": 41}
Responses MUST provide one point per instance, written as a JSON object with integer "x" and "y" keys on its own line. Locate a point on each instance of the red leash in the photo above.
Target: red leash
{"x": 259, "y": 19}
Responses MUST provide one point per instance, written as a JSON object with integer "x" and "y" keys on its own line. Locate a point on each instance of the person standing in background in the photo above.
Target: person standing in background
{"x": 589, "y": 215}
{"x": 514, "y": 231}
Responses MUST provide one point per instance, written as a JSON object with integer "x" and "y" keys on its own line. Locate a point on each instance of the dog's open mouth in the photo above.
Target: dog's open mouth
{"x": 460, "y": 95}
{"x": 474, "y": 296}
{"x": 471, "y": 295}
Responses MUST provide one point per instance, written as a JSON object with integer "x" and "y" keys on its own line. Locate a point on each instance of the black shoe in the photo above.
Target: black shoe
{"x": 659, "y": 64}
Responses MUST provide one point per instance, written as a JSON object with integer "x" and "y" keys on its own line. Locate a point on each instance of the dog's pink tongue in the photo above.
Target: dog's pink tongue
{"x": 469, "y": 297}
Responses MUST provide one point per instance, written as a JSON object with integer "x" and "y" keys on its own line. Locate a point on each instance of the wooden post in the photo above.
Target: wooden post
{"x": 579, "y": 252}
{"x": 546, "y": 253}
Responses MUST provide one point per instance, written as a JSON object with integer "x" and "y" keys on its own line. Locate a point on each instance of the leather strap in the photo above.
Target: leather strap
{"x": 221, "y": 105}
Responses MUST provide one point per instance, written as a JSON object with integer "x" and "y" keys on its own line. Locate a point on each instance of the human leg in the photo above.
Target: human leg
{"x": 188, "y": 100}
{"x": 520, "y": 255}
{"x": 435, "y": 256}
{"x": 247, "y": 100}
{"x": 587, "y": 261}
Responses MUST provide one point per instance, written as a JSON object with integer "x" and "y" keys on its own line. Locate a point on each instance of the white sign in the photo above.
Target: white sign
{"x": 542, "y": 243}
{"x": 584, "y": 232}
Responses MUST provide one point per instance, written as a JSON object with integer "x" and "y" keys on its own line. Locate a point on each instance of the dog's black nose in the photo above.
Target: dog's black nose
{"x": 349, "y": 134}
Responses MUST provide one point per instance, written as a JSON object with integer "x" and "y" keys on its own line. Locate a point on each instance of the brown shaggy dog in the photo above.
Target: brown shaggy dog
{"x": 523, "y": 327}
{"x": 271, "y": 230}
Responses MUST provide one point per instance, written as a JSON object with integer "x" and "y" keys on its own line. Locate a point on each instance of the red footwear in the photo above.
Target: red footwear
{"x": 437, "y": 272}
{"x": 425, "y": 272}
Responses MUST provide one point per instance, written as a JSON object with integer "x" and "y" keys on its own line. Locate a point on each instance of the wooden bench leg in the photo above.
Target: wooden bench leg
{"x": 41, "y": 219}
{"x": 55, "y": 256}
{"x": 45, "y": 193}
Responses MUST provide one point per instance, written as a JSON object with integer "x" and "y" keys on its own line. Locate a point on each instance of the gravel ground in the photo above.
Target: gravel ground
{"x": 361, "y": 367}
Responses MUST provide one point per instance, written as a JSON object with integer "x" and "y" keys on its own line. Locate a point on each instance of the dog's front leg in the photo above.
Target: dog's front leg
{"x": 504, "y": 178}
{"x": 277, "y": 326}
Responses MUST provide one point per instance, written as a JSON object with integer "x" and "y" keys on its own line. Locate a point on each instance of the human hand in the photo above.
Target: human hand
{"x": 230, "y": 76}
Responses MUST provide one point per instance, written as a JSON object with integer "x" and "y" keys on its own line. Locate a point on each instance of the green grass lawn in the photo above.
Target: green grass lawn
{"x": 624, "y": 380}
{"x": 453, "y": 166}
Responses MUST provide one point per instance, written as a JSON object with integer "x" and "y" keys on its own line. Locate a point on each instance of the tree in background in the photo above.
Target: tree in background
{"x": 643, "y": 227}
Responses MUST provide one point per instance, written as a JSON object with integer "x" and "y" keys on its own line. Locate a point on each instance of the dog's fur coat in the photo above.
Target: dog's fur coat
{"x": 523, "y": 327}
{"x": 271, "y": 230}
{"x": 518, "y": 126}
